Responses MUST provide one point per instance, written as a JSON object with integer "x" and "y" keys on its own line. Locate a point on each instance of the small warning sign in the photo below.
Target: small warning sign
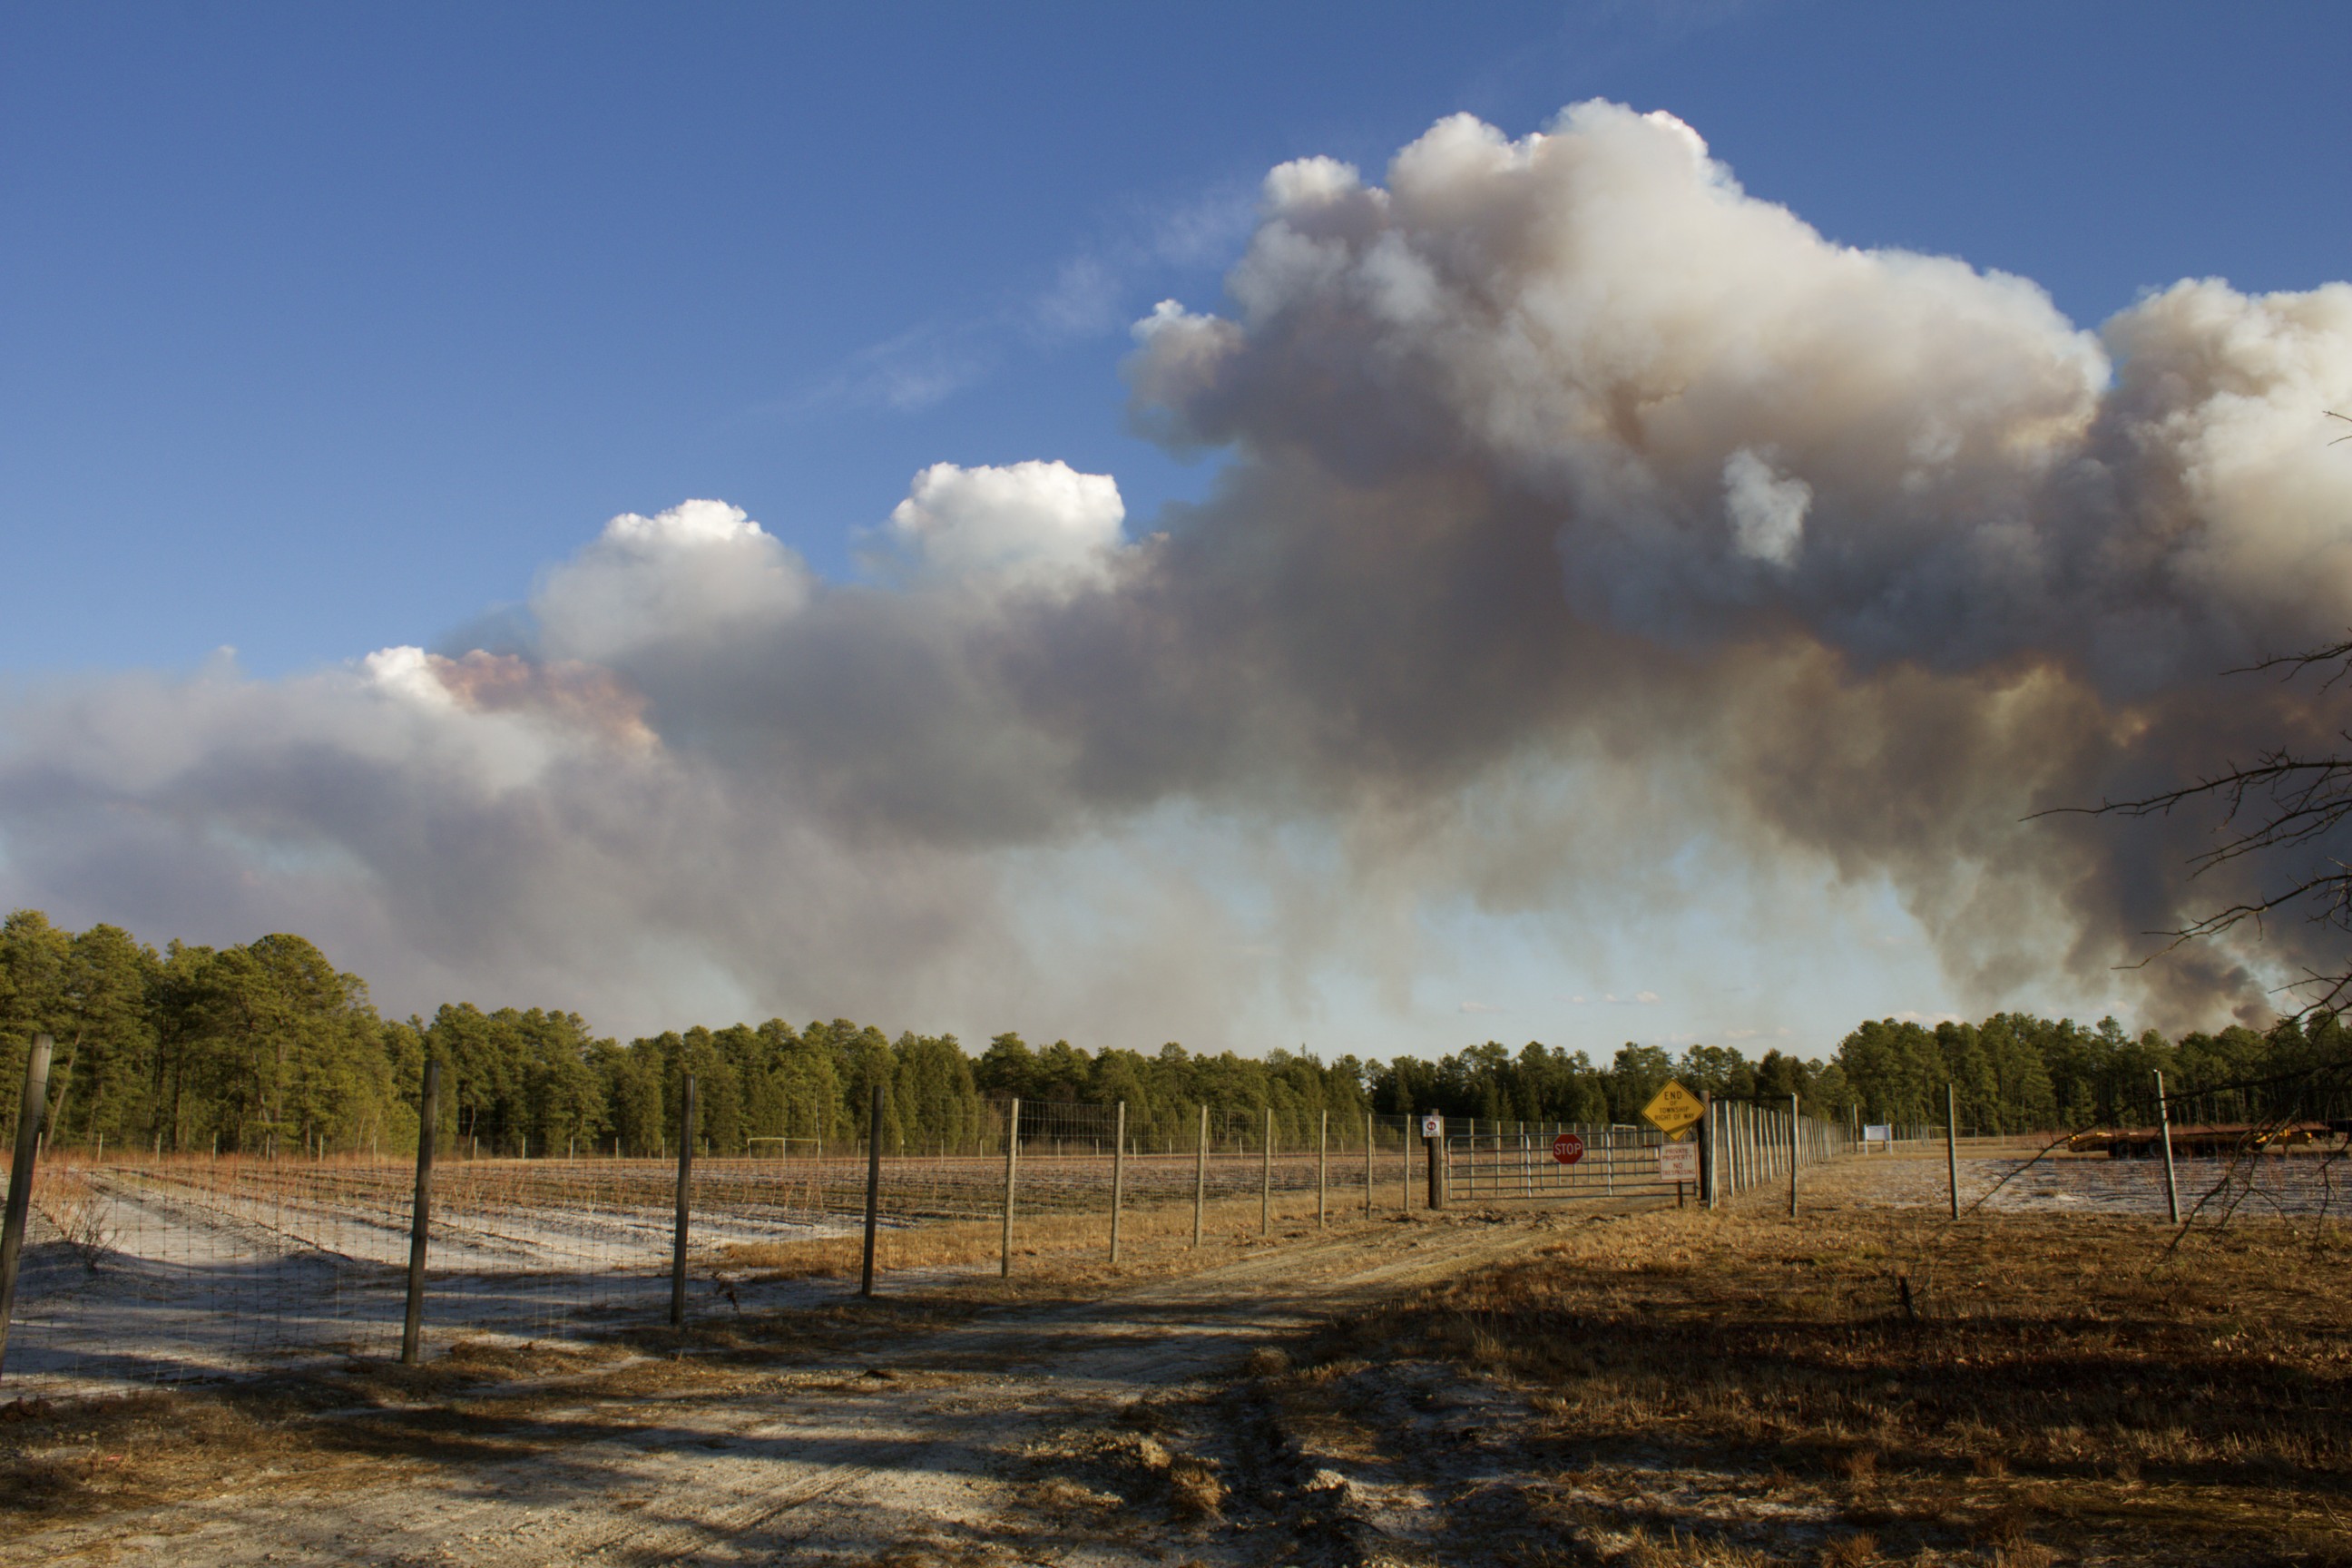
{"x": 1433, "y": 1125}
{"x": 1673, "y": 1109}
{"x": 1678, "y": 1161}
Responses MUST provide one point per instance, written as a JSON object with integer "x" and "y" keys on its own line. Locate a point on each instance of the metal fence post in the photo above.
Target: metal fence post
{"x": 1201, "y": 1176}
{"x": 1952, "y": 1145}
{"x": 1117, "y": 1178}
{"x": 420, "y": 1214}
{"x": 2164, "y": 1131}
{"x": 685, "y": 1205}
{"x": 29, "y": 1107}
{"x": 1012, "y": 1172}
{"x": 873, "y": 1191}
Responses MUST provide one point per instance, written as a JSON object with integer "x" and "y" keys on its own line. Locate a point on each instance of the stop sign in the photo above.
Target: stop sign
{"x": 1568, "y": 1148}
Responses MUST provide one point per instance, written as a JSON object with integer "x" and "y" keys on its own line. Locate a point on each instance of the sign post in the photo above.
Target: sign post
{"x": 1432, "y": 1133}
{"x": 1672, "y": 1111}
{"x": 1672, "y": 1108}
{"x": 1678, "y": 1159}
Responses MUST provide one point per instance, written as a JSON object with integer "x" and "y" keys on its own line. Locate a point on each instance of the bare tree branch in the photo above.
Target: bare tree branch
{"x": 2280, "y": 802}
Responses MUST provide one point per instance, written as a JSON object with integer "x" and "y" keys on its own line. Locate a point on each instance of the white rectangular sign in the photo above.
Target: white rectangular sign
{"x": 1878, "y": 1132}
{"x": 1433, "y": 1126}
{"x": 1678, "y": 1161}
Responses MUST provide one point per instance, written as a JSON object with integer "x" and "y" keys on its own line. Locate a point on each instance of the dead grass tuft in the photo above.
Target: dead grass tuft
{"x": 1687, "y": 1550}
{"x": 1266, "y": 1360}
{"x": 1195, "y": 1487}
{"x": 1854, "y": 1550}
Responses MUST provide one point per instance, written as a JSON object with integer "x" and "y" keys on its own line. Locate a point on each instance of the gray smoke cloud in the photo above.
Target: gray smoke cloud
{"x": 1576, "y": 506}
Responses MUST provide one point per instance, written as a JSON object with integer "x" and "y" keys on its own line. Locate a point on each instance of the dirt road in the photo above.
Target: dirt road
{"x": 1114, "y": 1429}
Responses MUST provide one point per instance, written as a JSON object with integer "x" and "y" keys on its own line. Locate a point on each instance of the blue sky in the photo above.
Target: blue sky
{"x": 325, "y": 328}
{"x": 328, "y": 328}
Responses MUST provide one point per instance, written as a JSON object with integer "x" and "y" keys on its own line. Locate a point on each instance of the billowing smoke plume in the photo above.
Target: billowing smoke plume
{"x": 1572, "y": 499}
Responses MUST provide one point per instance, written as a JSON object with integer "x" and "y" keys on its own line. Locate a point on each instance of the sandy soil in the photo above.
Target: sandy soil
{"x": 1183, "y": 1410}
{"x": 1103, "y": 1430}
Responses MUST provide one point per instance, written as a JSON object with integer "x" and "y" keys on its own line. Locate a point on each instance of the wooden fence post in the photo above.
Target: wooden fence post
{"x": 1266, "y": 1180}
{"x": 1952, "y": 1145}
{"x": 420, "y": 1214}
{"x": 685, "y": 1206}
{"x": 1323, "y": 1175}
{"x": 1118, "y": 1177}
{"x": 1200, "y": 1178}
{"x": 1710, "y": 1152}
{"x": 2164, "y": 1131}
{"x": 873, "y": 1190}
{"x": 29, "y": 1108}
{"x": 1793, "y": 1156}
{"x": 1011, "y": 1173}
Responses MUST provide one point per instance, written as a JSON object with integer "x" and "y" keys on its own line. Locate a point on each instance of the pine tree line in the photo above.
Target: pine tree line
{"x": 269, "y": 1049}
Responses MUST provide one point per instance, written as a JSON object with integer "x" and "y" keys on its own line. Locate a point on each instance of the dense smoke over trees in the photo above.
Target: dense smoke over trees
{"x": 1574, "y": 509}
{"x": 270, "y": 1048}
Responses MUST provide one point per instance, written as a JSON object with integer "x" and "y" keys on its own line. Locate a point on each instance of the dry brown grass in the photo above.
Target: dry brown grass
{"x": 1065, "y": 1249}
{"x": 2062, "y": 1384}
{"x": 83, "y": 1216}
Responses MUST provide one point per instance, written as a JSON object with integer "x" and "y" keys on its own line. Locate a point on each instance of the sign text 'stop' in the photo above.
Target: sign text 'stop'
{"x": 1673, "y": 1109}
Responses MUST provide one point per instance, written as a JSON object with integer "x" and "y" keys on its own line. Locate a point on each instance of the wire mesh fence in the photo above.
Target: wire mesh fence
{"x": 2275, "y": 1145}
{"x": 140, "y": 1267}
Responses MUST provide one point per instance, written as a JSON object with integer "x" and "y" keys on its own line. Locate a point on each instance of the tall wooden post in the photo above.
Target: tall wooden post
{"x": 420, "y": 1214}
{"x": 1368, "y": 1125}
{"x": 29, "y": 1107}
{"x": 873, "y": 1191}
{"x": 1952, "y": 1145}
{"x": 685, "y": 1205}
{"x": 1117, "y": 1178}
{"x": 2164, "y": 1131}
{"x": 1011, "y": 1175}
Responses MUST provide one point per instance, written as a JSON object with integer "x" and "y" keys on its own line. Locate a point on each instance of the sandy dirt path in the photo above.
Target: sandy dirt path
{"x": 1107, "y": 1430}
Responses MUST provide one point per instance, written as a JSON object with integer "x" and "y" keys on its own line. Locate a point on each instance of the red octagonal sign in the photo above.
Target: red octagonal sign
{"x": 1568, "y": 1148}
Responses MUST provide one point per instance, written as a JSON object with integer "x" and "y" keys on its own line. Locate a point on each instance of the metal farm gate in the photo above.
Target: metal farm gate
{"x": 1487, "y": 1162}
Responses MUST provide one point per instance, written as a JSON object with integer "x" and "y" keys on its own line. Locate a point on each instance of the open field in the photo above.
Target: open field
{"x": 1533, "y": 1386}
{"x": 158, "y": 1270}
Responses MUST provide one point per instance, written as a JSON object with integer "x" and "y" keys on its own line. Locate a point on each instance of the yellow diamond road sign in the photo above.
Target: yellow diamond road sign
{"x": 1673, "y": 1108}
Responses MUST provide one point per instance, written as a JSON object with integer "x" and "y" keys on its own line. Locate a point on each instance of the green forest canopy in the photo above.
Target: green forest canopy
{"x": 268, "y": 1046}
